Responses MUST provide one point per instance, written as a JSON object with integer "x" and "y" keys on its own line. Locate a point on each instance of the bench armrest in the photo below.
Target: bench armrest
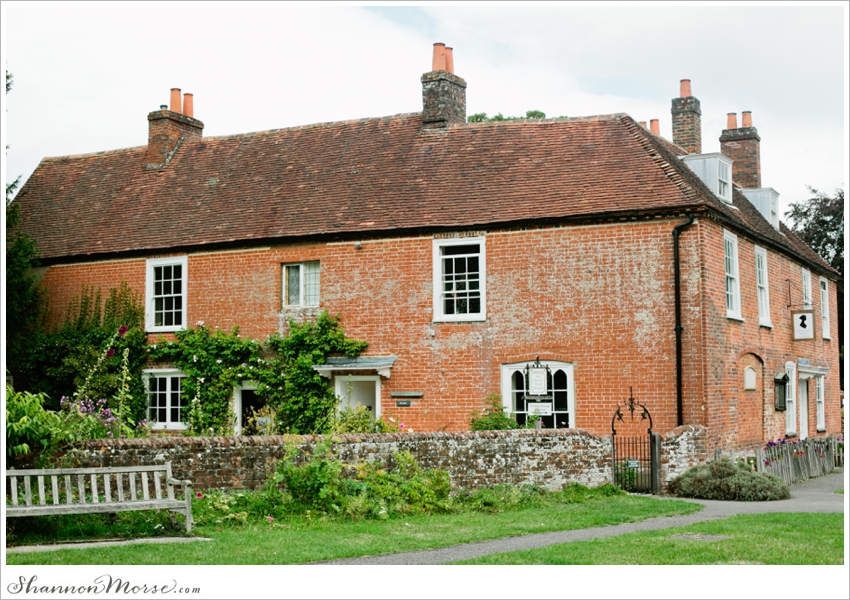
{"x": 187, "y": 492}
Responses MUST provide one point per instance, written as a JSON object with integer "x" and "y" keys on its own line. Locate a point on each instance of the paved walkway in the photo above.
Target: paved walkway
{"x": 815, "y": 495}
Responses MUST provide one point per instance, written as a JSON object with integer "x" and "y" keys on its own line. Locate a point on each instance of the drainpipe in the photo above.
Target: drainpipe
{"x": 677, "y": 286}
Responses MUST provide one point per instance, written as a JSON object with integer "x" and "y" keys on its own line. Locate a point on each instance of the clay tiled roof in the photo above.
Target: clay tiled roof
{"x": 365, "y": 178}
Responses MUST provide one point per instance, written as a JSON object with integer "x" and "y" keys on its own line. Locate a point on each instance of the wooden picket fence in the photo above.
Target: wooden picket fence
{"x": 794, "y": 461}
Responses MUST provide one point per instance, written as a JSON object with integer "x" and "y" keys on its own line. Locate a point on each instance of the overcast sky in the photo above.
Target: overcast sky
{"x": 86, "y": 76}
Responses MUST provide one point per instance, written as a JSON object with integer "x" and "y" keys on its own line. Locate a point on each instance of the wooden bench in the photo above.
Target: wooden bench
{"x": 97, "y": 490}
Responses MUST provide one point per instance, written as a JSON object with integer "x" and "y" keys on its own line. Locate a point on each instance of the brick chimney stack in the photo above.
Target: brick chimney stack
{"x": 167, "y": 128}
{"x": 741, "y": 144}
{"x": 443, "y": 92}
{"x": 687, "y": 127}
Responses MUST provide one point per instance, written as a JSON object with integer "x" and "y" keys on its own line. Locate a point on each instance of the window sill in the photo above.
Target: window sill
{"x": 470, "y": 319}
{"x": 734, "y": 318}
{"x": 821, "y": 430}
{"x": 766, "y": 325}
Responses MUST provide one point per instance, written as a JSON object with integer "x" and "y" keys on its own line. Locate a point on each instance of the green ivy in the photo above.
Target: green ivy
{"x": 215, "y": 362}
{"x": 492, "y": 416}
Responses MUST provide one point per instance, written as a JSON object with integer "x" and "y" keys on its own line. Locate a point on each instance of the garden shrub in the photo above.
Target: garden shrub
{"x": 359, "y": 419}
{"x": 727, "y": 480}
{"x": 325, "y": 484}
{"x": 29, "y": 427}
{"x": 59, "y": 361}
{"x": 492, "y": 416}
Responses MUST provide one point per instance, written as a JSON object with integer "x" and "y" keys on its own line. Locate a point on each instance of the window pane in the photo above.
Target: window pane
{"x": 458, "y": 250}
{"x": 293, "y": 285}
{"x": 311, "y": 284}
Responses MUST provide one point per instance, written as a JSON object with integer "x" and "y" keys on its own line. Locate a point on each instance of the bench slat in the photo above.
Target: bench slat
{"x": 157, "y": 476}
{"x": 168, "y": 481}
{"x": 54, "y": 486}
{"x": 94, "y": 488}
{"x": 69, "y": 495}
{"x": 86, "y": 471}
{"x": 42, "y": 498}
{"x": 120, "y": 483}
{"x": 14, "y": 491}
{"x": 107, "y": 488}
{"x": 81, "y": 485}
{"x": 145, "y": 493}
{"x": 103, "y": 507}
{"x": 28, "y": 490}
{"x": 133, "y": 486}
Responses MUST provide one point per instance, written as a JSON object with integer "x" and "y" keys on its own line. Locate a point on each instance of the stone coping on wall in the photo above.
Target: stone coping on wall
{"x": 165, "y": 441}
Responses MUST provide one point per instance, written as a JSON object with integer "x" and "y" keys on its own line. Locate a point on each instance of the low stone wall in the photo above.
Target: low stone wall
{"x": 683, "y": 448}
{"x": 549, "y": 458}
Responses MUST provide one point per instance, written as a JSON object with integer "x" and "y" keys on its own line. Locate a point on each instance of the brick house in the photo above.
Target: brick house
{"x": 462, "y": 252}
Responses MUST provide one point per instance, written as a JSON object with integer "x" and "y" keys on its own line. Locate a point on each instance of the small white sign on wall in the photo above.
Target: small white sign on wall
{"x": 537, "y": 381}
{"x": 804, "y": 324}
{"x": 749, "y": 378}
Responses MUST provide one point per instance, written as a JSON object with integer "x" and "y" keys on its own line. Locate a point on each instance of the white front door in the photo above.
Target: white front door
{"x": 803, "y": 402}
{"x": 364, "y": 390}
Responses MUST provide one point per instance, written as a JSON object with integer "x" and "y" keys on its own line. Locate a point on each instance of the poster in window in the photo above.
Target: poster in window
{"x": 804, "y": 324}
{"x": 537, "y": 382}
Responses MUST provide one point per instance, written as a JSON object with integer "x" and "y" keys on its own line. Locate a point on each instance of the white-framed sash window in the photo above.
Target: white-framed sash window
{"x": 165, "y": 294}
{"x": 460, "y": 279}
{"x": 733, "y": 283}
{"x": 762, "y": 287}
{"x": 824, "y": 308}
{"x": 167, "y": 405}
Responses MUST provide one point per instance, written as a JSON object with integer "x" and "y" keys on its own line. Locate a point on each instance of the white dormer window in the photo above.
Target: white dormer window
{"x": 715, "y": 170}
{"x": 766, "y": 201}
{"x": 722, "y": 180}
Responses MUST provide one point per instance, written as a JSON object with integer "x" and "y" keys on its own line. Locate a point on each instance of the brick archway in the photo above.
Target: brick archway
{"x": 749, "y": 425}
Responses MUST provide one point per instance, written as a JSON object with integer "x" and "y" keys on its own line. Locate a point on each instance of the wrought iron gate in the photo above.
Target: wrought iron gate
{"x": 635, "y": 460}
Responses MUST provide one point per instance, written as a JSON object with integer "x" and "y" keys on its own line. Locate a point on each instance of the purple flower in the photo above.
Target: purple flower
{"x": 110, "y": 352}
{"x": 122, "y": 330}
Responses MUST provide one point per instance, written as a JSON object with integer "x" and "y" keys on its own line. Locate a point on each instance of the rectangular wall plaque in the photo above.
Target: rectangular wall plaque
{"x": 402, "y": 403}
{"x": 804, "y": 324}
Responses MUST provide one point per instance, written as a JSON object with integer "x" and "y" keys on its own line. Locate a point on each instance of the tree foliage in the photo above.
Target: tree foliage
{"x": 483, "y": 118}
{"x": 819, "y": 221}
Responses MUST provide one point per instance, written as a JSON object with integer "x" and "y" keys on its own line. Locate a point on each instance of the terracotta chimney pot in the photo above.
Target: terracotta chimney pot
{"x": 653, "y": 126}
{"x": 732, "y": 121}
{"x": 642, "y": 124}
{"x": 188, "y": 105}
{"x": 438, "y": 63}
{"x": 450, "y": 61}
{"x": 747, "y": 118}
{"x": 685, "y": 88}
{"x": 176, "y": 105}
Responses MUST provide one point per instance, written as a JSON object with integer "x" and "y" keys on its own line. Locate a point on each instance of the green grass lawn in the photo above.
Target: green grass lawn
{"x": 773, "y": 539}
{"x": 299, "y": 540}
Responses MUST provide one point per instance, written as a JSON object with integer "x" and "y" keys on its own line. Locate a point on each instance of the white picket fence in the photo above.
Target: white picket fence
{"x": 794, "y": 461}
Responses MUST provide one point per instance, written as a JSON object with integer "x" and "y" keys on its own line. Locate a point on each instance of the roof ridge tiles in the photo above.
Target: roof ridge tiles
{"x": 93, "y": 154}
{"x": 320, "y": 125}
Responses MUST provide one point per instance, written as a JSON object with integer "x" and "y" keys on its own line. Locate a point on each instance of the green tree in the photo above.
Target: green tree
{"x": 819, "y": 221}
{"x": 24, "y": 296}
{"x": 483, "y": 118}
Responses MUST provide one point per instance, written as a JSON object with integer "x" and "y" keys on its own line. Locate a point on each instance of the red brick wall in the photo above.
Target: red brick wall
{"x": 599, "y": 297}
{"x": 731, "y": 345}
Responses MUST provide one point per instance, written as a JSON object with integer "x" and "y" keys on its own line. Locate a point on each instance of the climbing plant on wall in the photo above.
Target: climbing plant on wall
{"x": 215, "y": 362}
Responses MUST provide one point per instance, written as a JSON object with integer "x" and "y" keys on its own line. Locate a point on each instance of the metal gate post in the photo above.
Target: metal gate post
{"x": 655, "y": 452}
